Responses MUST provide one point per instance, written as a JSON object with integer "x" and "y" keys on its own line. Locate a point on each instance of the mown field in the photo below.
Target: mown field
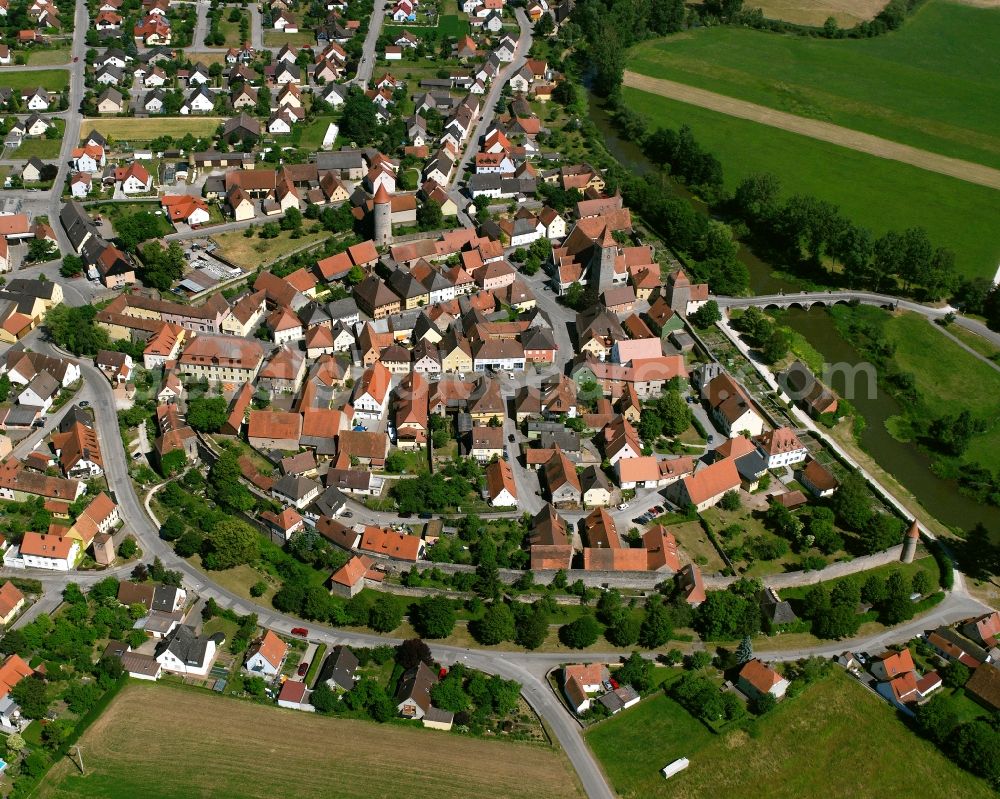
{"x": 834, "y": 740}
{"x": 949, "y": 380}
{"x": 162, "y": 742}
{"x": 873, "y": 192}
{"x": 149, "y": 128}
{"x": 815, "y": 12}
{"x": 54, "y": 80}
{"x": 933, "y": 84}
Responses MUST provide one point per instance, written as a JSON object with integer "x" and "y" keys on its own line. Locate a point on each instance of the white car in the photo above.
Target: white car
{"x": 622, "y": 506}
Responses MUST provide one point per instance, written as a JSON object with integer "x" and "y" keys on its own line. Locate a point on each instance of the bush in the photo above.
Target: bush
{"x": 258, "y": 588}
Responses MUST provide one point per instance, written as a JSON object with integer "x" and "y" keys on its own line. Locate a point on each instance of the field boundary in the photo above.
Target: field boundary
{"x": 816, "y": 129}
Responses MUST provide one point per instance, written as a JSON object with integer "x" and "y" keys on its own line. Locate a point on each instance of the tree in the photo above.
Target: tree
{"x": 74, "y": 329}
{"x": 936, "y": 719}
{"x": 207, "y": 414}
{"x": 224, "y": 486}
{"x": 15, "y": 743}
{"x": 707, "y": 315}
{"x": 762, "y": 703}
{"x": 757, "y": 197}
{"x": 395, "y": 462}
{"x": 897, "y": 606}
{"x": 726, "y": 615}
{"x": 72, "y": 265}
{"x": 323, "y": 698}
{"x": 449, "y": 693}
{"x": 581, "y": 633}
{"x": 136, "y": 228}
{"x": 730, "y": 501}
{"x": 172, "y": 462}
{"x": 656, "y": 628}
{"x": 433, "y": 617}
{"x": 531, "y": 628}
{"x": 744, "y": 653}
{"x": 852, "y": 503}
{"x": 496, "y": 625}
{"x": 385, "y": 614}
{"x": 128, "y": 548}
{"x": 233, "y": 542}
{"x": 881, "y": 532}
{"x": 173, "y": 527}
{"x": 623, "y": 630}
{"x": 359, "y": 122}
{"x": 637, "y": 672}
{"x": 429, "y": 216}
{"x": 956, "y": 674}
{"x": 412, "y": 652}
{"x": 32, "y": 696}
{"x": 923, "y": 584}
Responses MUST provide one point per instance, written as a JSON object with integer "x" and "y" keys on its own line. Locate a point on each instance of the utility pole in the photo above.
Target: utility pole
{"x": 79, "y": 755}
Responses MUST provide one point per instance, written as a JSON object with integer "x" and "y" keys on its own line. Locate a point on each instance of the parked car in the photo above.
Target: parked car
{"x": 301, "y": 632}
{"x": 510, "y": 438}
{"x": 347, "y": 514}
{"x": 622, "y": 506}
{"x": 424, "y": 516}
{"x": 83, "y": 403}
{"x": 303, "y": 668}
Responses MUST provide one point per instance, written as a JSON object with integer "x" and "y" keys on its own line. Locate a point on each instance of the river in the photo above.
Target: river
{"x": 762, "y": 277}
{"x": 906, "y": 462}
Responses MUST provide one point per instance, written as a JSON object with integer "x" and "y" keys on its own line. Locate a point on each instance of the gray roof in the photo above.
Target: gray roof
{"x": 331, "y": 501}
{"x": 339, "y": 668}
{"x": 341, "y": 159}
{"x": 164, "y": 598}
{"x": 295, "y": 486}
{"x": 184, "y": 644}
{"x": 342, "y": 309}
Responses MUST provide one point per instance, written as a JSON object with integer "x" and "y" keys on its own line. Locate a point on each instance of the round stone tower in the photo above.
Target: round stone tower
{"x": 383, "y": 217}
{"x": 910, "y": 543}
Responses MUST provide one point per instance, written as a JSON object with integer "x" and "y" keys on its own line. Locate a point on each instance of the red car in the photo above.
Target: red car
{"x": 302, "y": 632}
{"x": 303, "y": 668}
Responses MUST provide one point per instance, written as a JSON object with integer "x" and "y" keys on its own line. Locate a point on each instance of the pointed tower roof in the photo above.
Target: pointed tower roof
{"x": 382, "y": 196}
{"x": 914, "y": 531}
{"x": 607, "y": 240}
{"x": 678, "y": 278}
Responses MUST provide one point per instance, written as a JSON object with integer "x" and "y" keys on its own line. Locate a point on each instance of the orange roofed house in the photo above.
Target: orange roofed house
{"x": 12, "y": 671}
{"x": 266, "y": 655}
{"x": 391, "y": 544}
{"x": 351, "y": 578}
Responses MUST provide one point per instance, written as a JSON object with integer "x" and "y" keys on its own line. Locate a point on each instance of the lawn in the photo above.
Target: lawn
{"x": 240, "y": 749}
{"x": 874, "y": 192}
{"x": 239, "y": 579}
{"x": 115, "y": 211}
{"x": 695, "y": 543}
{"x": 944, "y": 375}
{"x": 40, "y": 148}
{"x": 928, "y": 84}
{"x": 41, "y": 58}
{"x": 255, "y": 251}
{"x": 817, "y": 744}
{"x": 977, "y": 342}
{"x": 55, "y": 80}
{"x": 312, "y": 133}
{"x": 231, "y": 30}
{"x": 146, "y": 129}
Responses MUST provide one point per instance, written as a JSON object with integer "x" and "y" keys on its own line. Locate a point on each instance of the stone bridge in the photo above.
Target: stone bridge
{"x": 806, "y": 300}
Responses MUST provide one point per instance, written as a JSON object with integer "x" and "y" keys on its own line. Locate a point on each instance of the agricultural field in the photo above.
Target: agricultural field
{"x": 135, "y": 129}
{"x": 55, "y": 80}
{"x": 816, "y": 744}
{"x": 808, "y": 12}
{"x": 874, "y": 192}
{"x": 289, "y": 754}
{"x": 928, "y": 84}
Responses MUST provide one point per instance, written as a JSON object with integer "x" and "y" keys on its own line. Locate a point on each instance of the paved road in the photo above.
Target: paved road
{"x": 817, "y": 129}
{"x": 489, "y": 101}
{"x": 366, "y": 66}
